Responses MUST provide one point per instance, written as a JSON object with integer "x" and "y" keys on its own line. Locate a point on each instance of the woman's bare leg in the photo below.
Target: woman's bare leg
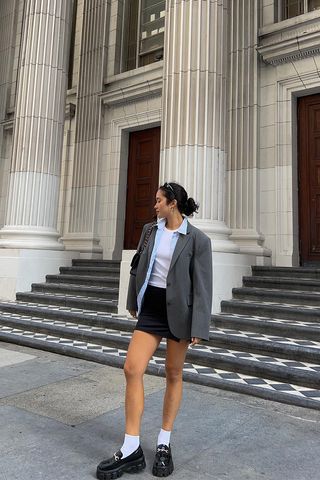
{"x": 176, "y": 354}
{"x": 141, "y": 349}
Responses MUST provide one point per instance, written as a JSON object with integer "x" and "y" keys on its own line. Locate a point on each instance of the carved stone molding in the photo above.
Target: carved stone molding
{"x": 70, "y": 111}
{"x": 290, "y": 40}
{"x": 134, "y": 85}
{"x": 133, "y": 92}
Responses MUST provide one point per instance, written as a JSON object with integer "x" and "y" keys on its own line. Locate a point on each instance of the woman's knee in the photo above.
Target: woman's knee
{"x": 132, "y": 371}
{"x": 173, "y": 373}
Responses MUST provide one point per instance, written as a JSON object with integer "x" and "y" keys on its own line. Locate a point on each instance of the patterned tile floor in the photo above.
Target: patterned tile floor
{"x": 59, "y": 295}
{"x": 232, "y": 377}
{"x": 219, "y": 331}
{"x": 232, "y": 353}
{"x": 66, "y": 286}
{"x": 283, "y": 321}
{"x": 265, "y": 337}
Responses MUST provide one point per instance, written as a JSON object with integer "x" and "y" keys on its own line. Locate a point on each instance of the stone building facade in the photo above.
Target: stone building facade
{"x": 102, "y": 100}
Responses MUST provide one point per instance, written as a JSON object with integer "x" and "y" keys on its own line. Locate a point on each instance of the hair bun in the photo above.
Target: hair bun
{"x": 191, "y": 207}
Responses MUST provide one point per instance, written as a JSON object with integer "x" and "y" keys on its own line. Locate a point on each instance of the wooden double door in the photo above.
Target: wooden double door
{"x": 309, "y": 179}
{"x": 142, "y": 182}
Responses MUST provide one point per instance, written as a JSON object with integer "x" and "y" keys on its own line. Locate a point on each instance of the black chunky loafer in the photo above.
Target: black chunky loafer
{"x": 115, "y": 466}
{"x": 163, "y": 464}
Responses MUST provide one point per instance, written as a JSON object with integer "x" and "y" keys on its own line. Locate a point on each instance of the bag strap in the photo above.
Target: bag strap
{"x": 146, "y": 238}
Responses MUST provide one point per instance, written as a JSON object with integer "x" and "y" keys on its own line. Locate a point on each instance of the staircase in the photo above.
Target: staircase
{"x": 265, "y": 342}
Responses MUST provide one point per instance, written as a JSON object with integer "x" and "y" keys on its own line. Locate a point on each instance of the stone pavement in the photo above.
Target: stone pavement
{"x": 59, "y": 416}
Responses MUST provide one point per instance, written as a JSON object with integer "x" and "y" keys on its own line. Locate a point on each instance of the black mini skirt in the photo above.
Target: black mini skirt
{"x": 153, "y": 316}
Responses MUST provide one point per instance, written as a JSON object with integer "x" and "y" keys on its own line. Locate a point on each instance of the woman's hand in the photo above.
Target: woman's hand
{"x": 194, "y": 341}
{"x": 133, "y": 313}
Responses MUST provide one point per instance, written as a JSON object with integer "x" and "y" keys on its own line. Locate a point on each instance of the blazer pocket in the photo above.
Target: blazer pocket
{"x": 190, "y": 300}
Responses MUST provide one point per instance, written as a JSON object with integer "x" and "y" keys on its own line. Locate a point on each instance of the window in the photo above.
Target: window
{"x": 293, "y": 8}
{"x": 72, "y": 44}
{"x": 143, "y": 33}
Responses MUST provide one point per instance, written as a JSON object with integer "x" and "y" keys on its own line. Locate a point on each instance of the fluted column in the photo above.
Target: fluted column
{"x": 194, "y": 109}
{"x": 32, "y": 204}
{"x": 82, "y": 222}
{"x": 242, "y": 172}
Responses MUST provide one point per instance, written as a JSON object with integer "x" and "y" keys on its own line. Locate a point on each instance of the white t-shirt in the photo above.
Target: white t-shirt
{"x": 162, "y": 261}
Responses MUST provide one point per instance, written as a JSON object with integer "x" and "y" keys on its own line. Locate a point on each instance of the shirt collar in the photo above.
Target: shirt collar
{"x": 161, "y": 223}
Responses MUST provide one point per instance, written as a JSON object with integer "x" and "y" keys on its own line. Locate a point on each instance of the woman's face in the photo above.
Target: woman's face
{"x": 162, "y": 208}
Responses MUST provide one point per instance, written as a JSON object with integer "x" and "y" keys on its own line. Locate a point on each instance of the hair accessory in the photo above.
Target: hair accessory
{"x": 169, "y": 186}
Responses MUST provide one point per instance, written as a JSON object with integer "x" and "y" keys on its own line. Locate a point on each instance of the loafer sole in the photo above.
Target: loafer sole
{"x": 131, "y": 467}
{"x": 163, "y": 471}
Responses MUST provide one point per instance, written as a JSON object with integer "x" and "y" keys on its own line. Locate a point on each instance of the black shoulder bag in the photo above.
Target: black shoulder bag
{"x": 136, "y": 258}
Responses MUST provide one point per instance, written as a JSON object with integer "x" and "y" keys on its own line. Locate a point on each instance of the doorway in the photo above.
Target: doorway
{"x": 309, "y": 179}
{"x": 142, "y": 182}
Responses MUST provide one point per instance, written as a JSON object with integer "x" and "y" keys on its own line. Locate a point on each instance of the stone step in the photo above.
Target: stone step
{"x": 253, "y": 342}
{"x": 66, "y": 300}
{"x": 283, "y": 347}
{"x": 298, "y": 272}
{"x": 83, "y": 280}
{"x": 205, "y": 373}
{"x": 277, "y": 296}
{"x": 274, "y": 327}
{"x": 83, "y": 262}
{"x": 88, "y": 291}
{"x": 269, "y": 326}
{"x": 285, "y": 283}
{"x": 95, "y": 271}
{"x": 272, "y": 310}
{"x": 68, "y": 314}
{"x": 302, "y": 373}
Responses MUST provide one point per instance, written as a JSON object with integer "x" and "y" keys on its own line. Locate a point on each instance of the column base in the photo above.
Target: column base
{"x": 41, "y": 238}
{"x": 19, "y": 268}
{"x": 228, "y": 271}
{"x": 219, "y": 234}
{"x": 251, "y": 242}
{"x": 86, "y": 244}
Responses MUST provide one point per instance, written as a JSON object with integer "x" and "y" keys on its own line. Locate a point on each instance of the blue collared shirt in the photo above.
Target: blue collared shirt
{"x": 160, "y": 225}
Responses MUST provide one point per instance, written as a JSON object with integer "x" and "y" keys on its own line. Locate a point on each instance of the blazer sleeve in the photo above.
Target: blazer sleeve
{"x": 202, "y": 289}
{"x": 132, "y": 294}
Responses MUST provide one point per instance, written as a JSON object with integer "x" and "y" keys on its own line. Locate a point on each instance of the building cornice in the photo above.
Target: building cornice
{"x": 291, "y": 39}
{"x": 133, "y": 85}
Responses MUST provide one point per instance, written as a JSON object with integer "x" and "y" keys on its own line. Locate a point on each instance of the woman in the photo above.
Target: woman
{"x": 171, "y": 296}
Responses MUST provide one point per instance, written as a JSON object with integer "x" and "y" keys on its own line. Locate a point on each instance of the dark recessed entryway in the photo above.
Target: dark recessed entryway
{"x": 309, "y": 179}
{"x": 142, "y": 182}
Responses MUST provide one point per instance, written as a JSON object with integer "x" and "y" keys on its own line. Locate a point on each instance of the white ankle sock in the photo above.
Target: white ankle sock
{"x": 130, "y": 444}
{"x": 164, "y": 437}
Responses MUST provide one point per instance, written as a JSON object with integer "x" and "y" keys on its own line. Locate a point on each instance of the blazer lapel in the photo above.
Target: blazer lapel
{"x": 181, "y": 243}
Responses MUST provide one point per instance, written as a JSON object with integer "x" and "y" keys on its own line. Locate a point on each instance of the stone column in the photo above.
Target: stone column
{"x": 194, "y": 109}
{"x": 32, "y": 204}
{"x": 8, "y": 33}
{"x": 242, "y": 168}
{"x": 82, "y": 221}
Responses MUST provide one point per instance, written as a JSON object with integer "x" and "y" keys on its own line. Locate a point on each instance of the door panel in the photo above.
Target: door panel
{"x": 309, "y": 178}
{"x": 142, "y": 184}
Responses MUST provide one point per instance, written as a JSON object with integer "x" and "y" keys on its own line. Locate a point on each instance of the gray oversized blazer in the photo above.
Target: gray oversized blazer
{"x": 189, "y": 283}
